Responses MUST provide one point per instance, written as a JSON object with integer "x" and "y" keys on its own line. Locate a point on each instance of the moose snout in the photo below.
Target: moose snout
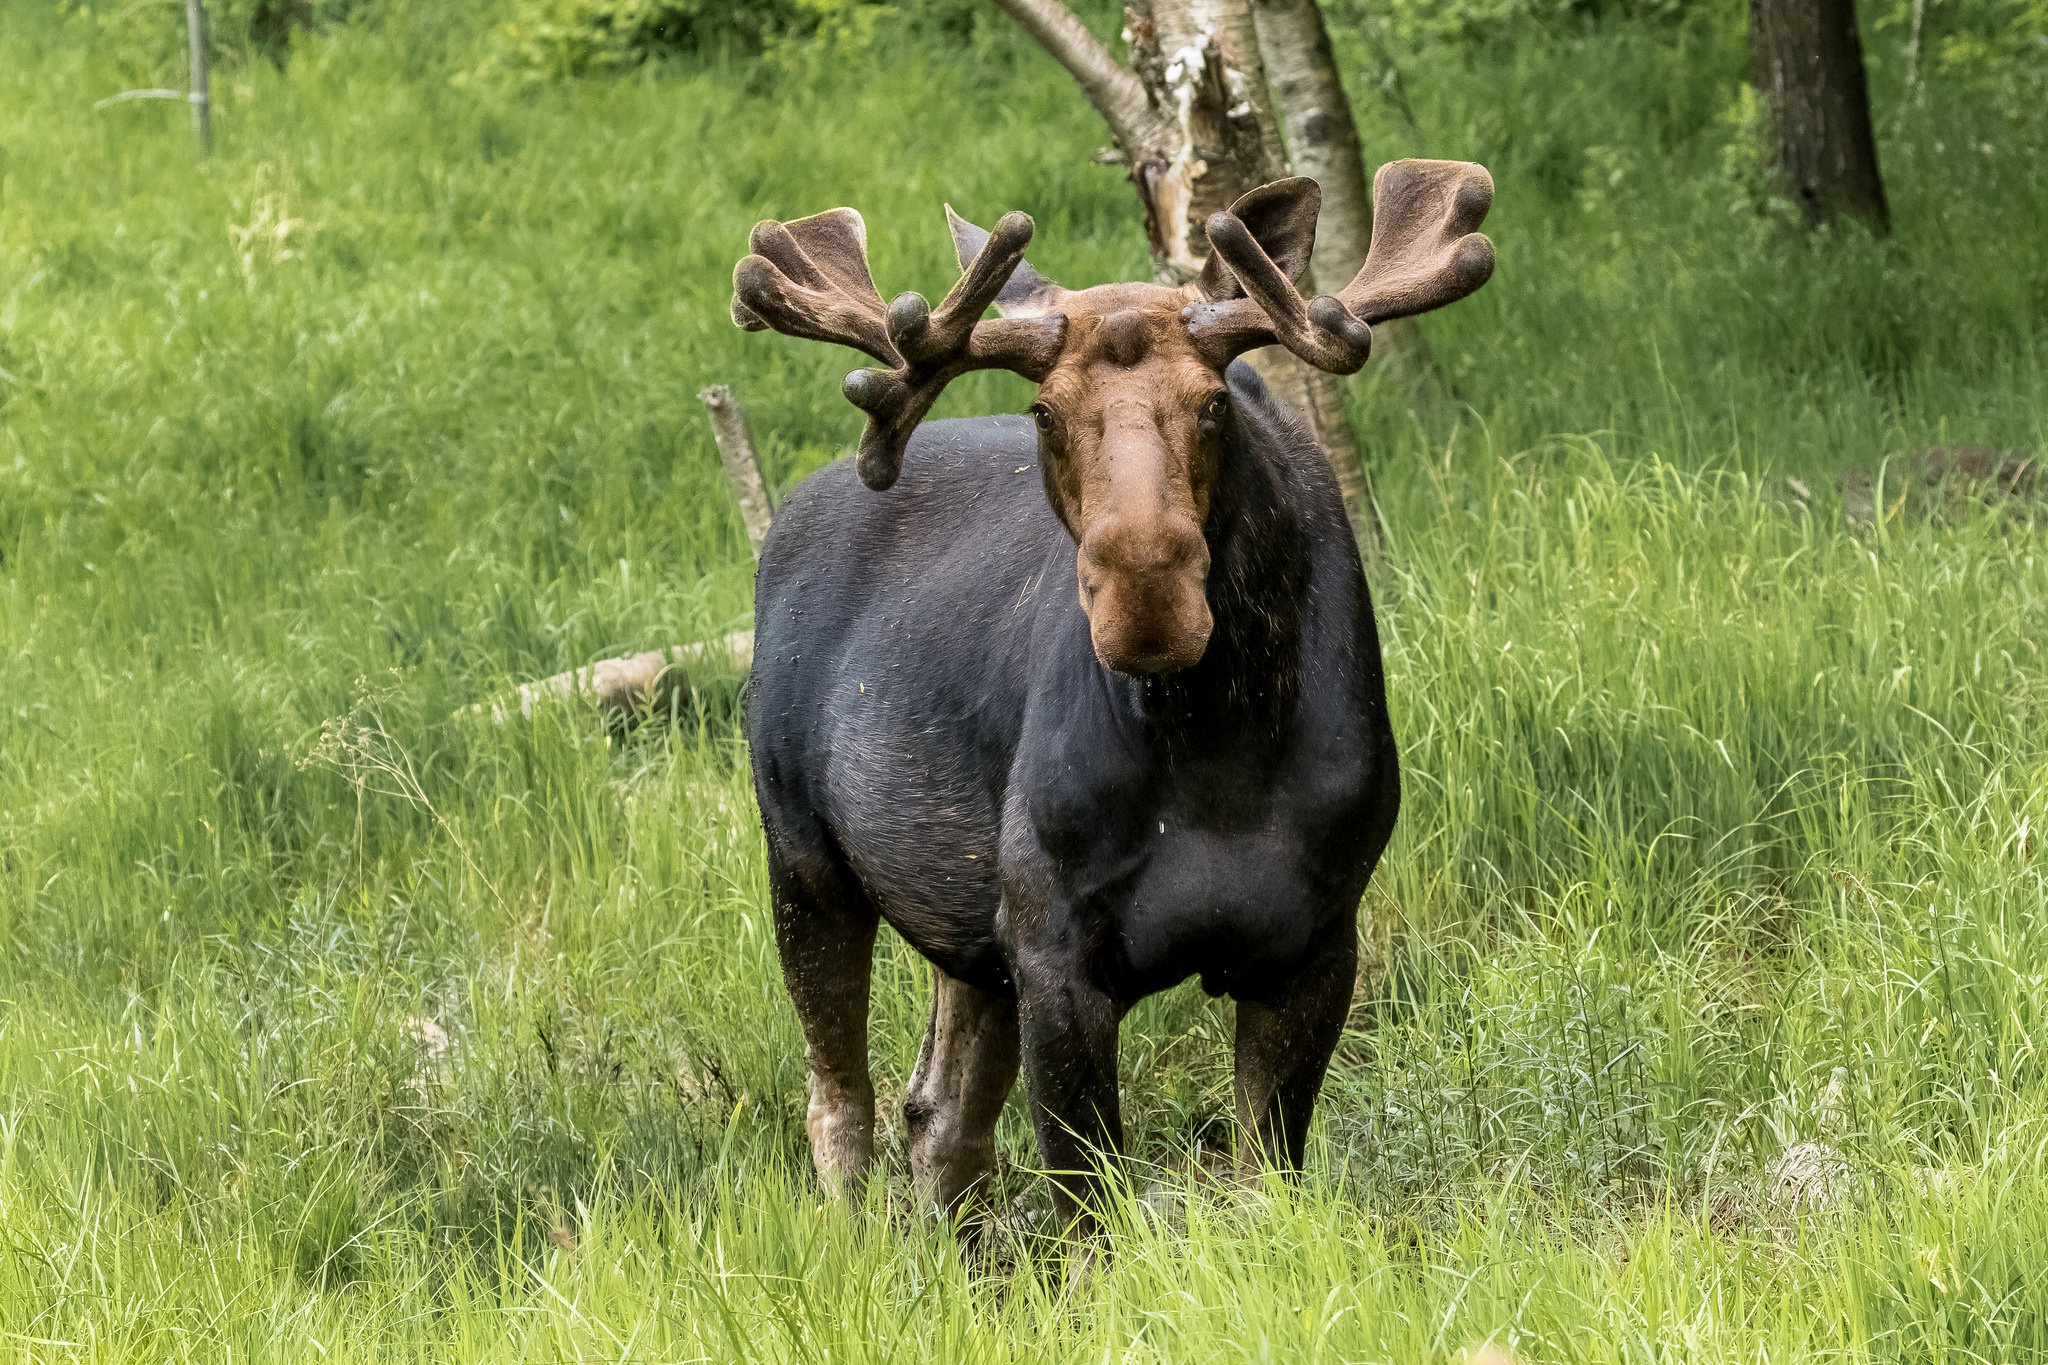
{"x": 1144, "y": 585}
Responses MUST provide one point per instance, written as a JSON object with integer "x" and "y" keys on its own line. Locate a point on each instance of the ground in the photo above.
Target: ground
{"x": 335, "y": 1024}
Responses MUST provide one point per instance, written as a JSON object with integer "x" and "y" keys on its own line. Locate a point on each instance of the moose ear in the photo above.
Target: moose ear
{"x": 1281, "y": 218}
{"x": 1027, "y": 294}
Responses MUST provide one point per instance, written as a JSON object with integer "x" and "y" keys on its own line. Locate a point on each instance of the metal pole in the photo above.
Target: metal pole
{"x": 202, "y": 76}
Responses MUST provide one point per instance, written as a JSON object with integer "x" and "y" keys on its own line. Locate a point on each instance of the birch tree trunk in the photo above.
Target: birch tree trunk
{"x": 1322, "y": 143}
{"x": 1807, "y": 61}
{"x": 1194, "y": 125}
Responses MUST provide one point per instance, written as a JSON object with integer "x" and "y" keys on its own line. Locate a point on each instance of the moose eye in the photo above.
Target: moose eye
{"x": 1042, "y": 415}
{"x": 1217, "y": 406}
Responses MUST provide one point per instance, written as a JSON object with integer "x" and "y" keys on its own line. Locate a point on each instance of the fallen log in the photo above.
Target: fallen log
{"x": 627, "y": 691}
{"x": 1936, "y": 479}
{"x": 633, "y": 689}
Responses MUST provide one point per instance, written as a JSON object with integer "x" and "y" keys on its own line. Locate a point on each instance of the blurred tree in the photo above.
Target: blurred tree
{"x": 271, "y": 23}
{"x": 1806, "y": 59}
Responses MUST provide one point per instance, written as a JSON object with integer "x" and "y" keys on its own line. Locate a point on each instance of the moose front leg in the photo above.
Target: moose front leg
{"x": 964, "y": 1073}
{"x": 1069, "y": 1031}
{"x": 1283, "y": 1050}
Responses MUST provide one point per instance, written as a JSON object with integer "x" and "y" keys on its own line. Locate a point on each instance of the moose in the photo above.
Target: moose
{"x": 1080, "y": 741}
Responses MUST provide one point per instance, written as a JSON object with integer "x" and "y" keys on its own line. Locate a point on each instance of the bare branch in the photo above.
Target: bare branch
{"x": 1117, "y": 94}
{"x": 742, "y": 466}
{"x": 127, "y": 95}
{"x": 629, "y": 690}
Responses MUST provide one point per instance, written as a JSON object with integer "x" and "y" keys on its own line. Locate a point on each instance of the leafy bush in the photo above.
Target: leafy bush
{"x": 555, "y": 38}
{"x": 571, "y": 37}
{"x": 149, "y": 42}
{"x": 1434, "y": 21}
{"x": 1998, "y": 46}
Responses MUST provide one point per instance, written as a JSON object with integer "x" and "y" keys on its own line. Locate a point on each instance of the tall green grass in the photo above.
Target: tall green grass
{"x": 1723, "y": 823}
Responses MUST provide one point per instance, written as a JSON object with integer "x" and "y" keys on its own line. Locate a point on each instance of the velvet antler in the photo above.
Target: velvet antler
{"x": 1426, "y": 252}
{"x": 809, "y": 278}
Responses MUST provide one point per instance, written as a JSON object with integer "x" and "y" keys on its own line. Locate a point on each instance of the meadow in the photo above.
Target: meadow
{"x": 337, "y": 1024}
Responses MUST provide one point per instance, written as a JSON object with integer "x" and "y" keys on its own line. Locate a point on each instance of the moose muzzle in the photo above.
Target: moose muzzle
{"x": 1144, "y": 585}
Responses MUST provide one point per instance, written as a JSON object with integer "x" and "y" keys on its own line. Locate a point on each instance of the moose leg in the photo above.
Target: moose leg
{"x": 964, "y": 1073}
{"x": 1069, "y": 1029}
{"x": 1283, "y": 1049}
{"x": 826, "y": 932}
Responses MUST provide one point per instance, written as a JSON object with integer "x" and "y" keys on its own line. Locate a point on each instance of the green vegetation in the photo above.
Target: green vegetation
{"x": 1724, "y": 824}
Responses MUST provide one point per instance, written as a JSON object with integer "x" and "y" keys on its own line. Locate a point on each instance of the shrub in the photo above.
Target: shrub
{"x": 558, "y": 38}
{"x": 1416, "y": 22}
{"x": 148, "y": 40}
{"x": 1999, "y": 46}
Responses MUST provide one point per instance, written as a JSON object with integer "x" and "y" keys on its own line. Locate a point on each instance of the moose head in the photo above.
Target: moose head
{"x": 1132, "y": 410}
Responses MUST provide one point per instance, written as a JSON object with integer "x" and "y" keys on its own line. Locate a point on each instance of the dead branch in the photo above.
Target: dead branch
{"x": 628, "y": 691}
{"x": 1117, "y": 94}
{"x": 742, "y": 465}
{"x": 127, "y": 95}
{"x": 633, "y": 689}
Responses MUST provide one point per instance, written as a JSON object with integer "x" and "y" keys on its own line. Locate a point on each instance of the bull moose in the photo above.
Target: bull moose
{"x": 1077, "y": 745}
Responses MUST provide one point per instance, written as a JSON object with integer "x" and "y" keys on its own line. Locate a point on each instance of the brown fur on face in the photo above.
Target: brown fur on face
{"x": 1131, "y": 423}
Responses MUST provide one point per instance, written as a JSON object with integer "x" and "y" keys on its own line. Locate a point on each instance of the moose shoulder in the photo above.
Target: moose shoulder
{"x": 1082, "y": 703}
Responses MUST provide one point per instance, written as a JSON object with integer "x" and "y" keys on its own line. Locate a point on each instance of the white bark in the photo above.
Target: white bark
{"x": 1322, "y": 143}
{"x": 1192, "y": 116}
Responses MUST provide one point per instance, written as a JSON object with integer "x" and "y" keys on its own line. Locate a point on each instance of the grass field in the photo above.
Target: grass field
{"x": 1724, "y": 823}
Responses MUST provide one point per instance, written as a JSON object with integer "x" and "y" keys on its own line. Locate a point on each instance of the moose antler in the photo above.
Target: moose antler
{"x": 1426, "y": 252}
{"x": 809, "y": 278}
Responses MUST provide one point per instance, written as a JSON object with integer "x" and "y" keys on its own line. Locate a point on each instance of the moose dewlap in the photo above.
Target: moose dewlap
{"x": 1079, "y": 737}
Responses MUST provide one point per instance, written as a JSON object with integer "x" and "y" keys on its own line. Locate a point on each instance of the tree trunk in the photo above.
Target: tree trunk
{"x": 1807, "y": 62}
{"x": 1322, "y": 143}
{"x": 1199, "y": 61}
{"x": 271, "y": 23}
{"x": 1193, "y": 122}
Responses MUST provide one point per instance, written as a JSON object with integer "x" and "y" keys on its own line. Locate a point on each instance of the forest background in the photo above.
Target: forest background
{"x": 1709, "y": 965}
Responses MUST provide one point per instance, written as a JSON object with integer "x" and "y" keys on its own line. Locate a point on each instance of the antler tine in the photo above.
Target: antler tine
{"x": 1426, "y": 249}
{"x": 809, "y": 278}
{"x": 1321, "y": 330}
{"x": 940, "y": 346}
{"x": 1425, "y": 253}
{"x": 923, "y": 336}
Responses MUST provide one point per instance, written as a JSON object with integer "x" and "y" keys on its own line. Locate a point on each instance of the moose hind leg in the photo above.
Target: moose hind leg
{"x": 964, "y": 1073}
{"x": 825, "y": 930}
{"x": 1283, "y": 1051}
